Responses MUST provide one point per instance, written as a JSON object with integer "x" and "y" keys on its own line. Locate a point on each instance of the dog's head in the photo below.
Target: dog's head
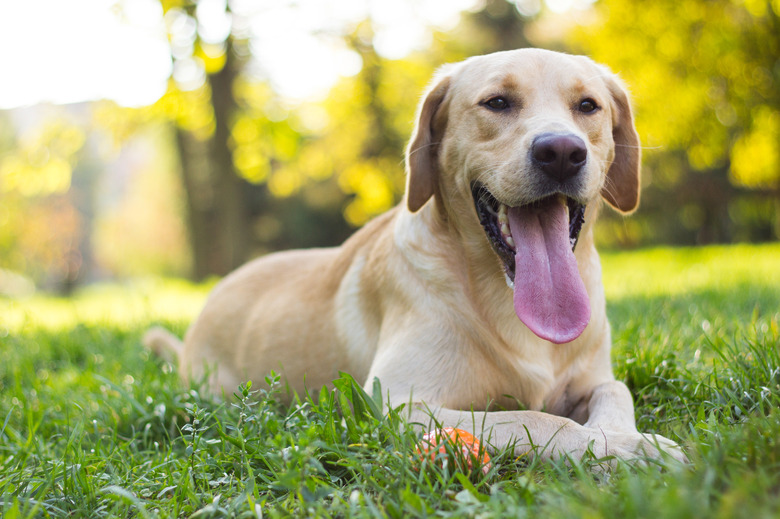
{"x": 522, "y": 141}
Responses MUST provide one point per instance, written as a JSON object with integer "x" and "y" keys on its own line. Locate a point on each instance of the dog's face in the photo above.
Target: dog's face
{"x": 522, "y": 141}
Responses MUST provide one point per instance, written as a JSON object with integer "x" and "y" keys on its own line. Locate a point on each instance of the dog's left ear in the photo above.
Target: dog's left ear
{"x": 422, "y": 153}
{"x": 621, "y": 188}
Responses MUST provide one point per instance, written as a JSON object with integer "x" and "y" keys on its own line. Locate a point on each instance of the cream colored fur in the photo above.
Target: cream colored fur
{"x": 418, "y": 298}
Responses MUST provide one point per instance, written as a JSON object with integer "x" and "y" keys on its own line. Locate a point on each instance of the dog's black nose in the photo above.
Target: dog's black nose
{"x": 560, "y": 156}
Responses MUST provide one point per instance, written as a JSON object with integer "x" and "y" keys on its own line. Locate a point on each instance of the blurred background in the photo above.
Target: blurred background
{"x": 181, "y": 138}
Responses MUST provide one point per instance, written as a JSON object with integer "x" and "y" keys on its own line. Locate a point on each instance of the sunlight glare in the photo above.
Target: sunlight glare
{"x": 65, "y": 52}
{"x": 80, "y": 50}
{"x": 562, "y": 6}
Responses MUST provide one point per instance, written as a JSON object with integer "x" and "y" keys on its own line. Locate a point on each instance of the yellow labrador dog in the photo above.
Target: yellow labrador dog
{"x": 482, "y": 290}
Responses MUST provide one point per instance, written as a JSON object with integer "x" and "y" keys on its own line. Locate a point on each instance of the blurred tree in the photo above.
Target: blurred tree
{"x": 237, "y": 142}
{"x": 357, "y": 153}
{"x": 706, "y": 84}
{"x": 139, "y": 226}
{"x": 498, "y": 25}
{"x": 36, "y": 178}
{"x": 201, "y": 102}
{"x": 277, "y": 149}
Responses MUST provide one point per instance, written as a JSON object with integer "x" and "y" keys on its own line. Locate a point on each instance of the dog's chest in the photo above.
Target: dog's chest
{"x": 534, "y": 381}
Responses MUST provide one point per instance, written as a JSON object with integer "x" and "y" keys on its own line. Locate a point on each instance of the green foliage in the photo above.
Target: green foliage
{"x": 91, "y": 426}
{"x": 359, "y": 149}
{"x": 705, "y": 83}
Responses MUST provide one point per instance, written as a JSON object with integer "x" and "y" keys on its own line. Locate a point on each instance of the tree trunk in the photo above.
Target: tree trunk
{"x": 230, "y": 190}
{"x": 202, "y": 223}
{"x": 217, "y": 198}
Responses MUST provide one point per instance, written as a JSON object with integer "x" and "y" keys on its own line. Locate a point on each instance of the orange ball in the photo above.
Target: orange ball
{"x": 463, "y": 445}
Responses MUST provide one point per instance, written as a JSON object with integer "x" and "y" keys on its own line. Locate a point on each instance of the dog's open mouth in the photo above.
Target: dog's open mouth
{"x": 535, "y": 243}
{"x": 493, "y": 217}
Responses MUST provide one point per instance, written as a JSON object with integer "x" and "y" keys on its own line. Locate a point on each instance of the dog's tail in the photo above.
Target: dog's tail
{"x": 164, "y": 344}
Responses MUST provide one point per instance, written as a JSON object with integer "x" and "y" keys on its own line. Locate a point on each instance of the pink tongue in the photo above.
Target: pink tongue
{"x": 550, "y": 297}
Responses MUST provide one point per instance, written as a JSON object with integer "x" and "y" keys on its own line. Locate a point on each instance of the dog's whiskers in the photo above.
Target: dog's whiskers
{"x": 617, "y": 145}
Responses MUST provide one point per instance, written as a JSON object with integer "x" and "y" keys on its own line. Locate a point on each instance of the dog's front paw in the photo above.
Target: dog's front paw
{"x": 657, "y": 446}
{"x": 635, "y": 446}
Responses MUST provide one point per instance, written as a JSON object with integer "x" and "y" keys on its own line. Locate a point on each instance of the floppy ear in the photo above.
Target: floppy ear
{"x": 422, "y": 152}
{"x": 621, "y": 189}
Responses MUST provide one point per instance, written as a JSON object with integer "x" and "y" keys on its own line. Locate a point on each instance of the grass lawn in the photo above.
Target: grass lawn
{"x": 90, "y": 426}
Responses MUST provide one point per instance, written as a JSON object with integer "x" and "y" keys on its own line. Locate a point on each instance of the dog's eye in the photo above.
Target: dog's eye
{"x": 587, "y": 106}
{"x": 497, "y": 103}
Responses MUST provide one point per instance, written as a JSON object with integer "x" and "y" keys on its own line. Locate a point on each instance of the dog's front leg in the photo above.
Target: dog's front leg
{"x": 611, "y": 407}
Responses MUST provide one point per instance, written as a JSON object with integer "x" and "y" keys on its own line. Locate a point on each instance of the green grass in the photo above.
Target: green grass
{"x": 90, "y": 426}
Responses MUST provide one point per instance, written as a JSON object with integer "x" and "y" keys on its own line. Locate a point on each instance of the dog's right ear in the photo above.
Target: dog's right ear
{"x": 422, "y": 152}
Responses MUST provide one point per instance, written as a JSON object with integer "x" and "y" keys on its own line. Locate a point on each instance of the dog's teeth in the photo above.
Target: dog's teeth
{"x": 509, "y": 282}
{"x": 502, "y": 214}
{"x": 503, "y": 222}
